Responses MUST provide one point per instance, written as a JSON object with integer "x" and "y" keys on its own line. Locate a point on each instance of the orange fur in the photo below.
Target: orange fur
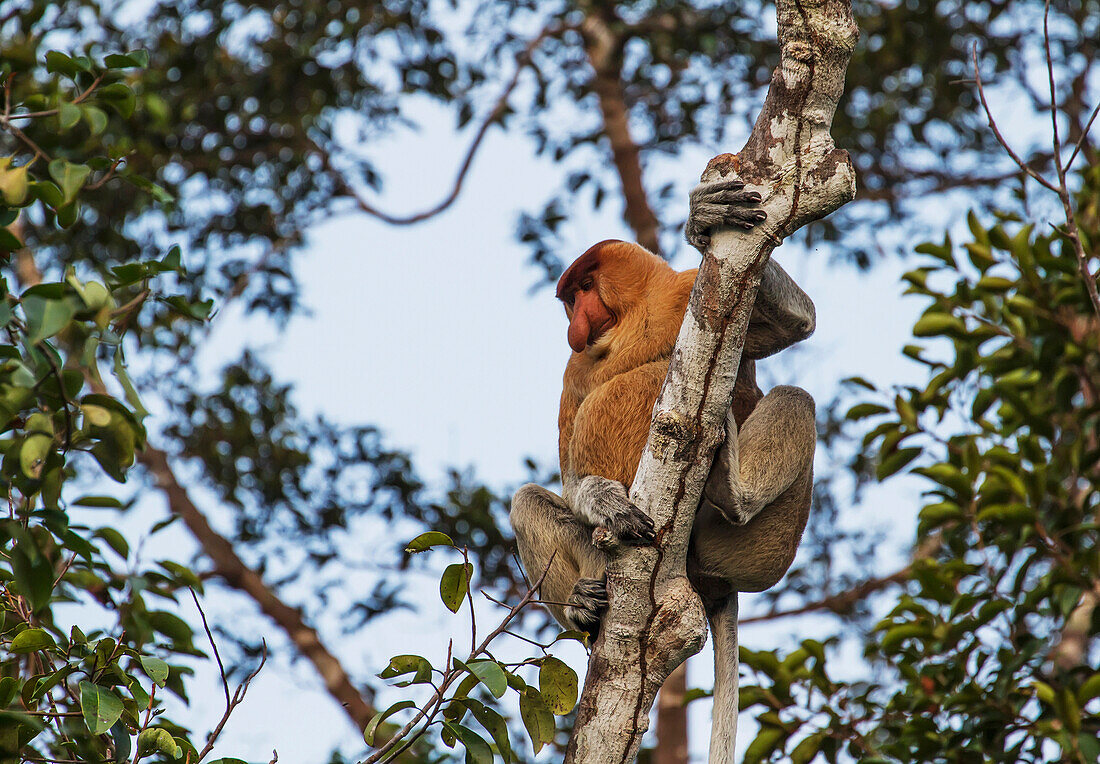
{"x": 609, "y": 388}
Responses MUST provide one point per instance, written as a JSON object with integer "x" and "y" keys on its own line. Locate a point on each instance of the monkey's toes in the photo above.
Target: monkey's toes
{"x": 587, "y": 604}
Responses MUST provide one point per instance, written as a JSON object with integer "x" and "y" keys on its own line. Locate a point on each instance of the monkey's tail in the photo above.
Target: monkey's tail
{"x": 723, "y": 730}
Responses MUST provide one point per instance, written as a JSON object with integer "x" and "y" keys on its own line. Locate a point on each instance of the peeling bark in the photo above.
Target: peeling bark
{"x": 655, "y": 620}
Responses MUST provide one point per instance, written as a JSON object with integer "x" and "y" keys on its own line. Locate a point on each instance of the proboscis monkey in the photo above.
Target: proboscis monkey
{"x": 625, "y": 306}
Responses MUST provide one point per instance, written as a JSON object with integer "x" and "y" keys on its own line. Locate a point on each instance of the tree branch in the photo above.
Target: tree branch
{"x": 655, "y": 620}
{"x": 604, "y": 53}
{"x": 523, "y": 60}
{"x": 236, "y": 574}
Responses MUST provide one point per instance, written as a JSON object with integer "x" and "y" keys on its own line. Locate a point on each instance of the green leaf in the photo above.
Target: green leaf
{"x": 767, "y": 740}
{"x": 495, "y": 725}
{"x": 115, "y": 540}
{"x": 45, "y": 318}
{"x": 477, "y": 750}
{"x": 488, "y": 673}
{"x": 381, "y": 716}
{"x": 59, "y": 63}
{"x": 934, "y": 324}
{"x": 32, "y": 455}
{"x": 408, "y": 664}
{"x": 864, "y": 410}
{"x": 67, "y": 115}
{"x": 426, "y": 541}
{"x": 1089, "y": 689}
{"x": 806, "y": 750}
{"x": 119, "y": 96}
{"x": 896, "y": 461}
{"x": 155, "y": 668}
{"x": 558, "y": 685}
{"x": 121, "y": 736}
{"x": 96, "y": 118}
{"x": 537, "y": 718}
{"x": 454, "y": 584}
{"x": 158, "y": 739}
{"x": 133, "y": 59}
{"x": 101, "y": 707}
{"x": 47, "y": 192}
{"x": 101, "y": 502}
{"x": 70, "y": 177}
{"x": 14, "y": 184}
{"x": 31, "y": 640}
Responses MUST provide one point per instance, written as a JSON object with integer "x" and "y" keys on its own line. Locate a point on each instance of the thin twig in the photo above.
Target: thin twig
{"x": 469, "y": 596}
{"x": 1053, "y": 93}
{"x": 238, "y": 698}
{"x": 213, "y": 646}
{"x": 996, "y": 131}
{"x": 1061, "y": 188}
{"x": 65, "y": 569}
{"x": 1084, "y": 135}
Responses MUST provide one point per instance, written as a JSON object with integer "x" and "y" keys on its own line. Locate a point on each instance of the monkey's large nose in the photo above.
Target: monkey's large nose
{"x": 579, "y": 330}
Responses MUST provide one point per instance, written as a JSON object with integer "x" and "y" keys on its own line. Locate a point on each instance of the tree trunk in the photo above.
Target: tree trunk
{"x": 655, "y": 620}
{"x": 672, "y": 728}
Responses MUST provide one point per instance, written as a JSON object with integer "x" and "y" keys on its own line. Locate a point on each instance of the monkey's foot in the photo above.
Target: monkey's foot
{"x": 587, "y": 604}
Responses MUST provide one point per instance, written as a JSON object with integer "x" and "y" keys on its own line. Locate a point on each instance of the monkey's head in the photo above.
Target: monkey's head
{"x": 605, "y": 288}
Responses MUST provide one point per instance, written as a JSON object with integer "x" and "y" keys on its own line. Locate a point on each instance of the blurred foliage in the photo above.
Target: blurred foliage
{"x": 72, "y": 691}
{"x": 990, "y": 652}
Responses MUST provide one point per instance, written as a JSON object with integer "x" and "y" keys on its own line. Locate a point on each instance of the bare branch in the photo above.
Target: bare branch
{"x": 523, "y": 60}
{"x": 604, "y": 54}
{"x": 996, "y": 131}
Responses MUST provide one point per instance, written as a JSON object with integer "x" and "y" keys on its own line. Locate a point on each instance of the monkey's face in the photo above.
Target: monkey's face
{"x": 601, "y": 289}
{"x": 589, "y": 317}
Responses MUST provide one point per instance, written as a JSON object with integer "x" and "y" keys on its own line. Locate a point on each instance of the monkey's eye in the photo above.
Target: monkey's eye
{"x": 586, "y": 285}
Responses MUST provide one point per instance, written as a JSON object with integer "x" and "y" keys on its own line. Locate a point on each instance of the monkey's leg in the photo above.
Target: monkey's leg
{"x": 757, "y": 465}
{"x": 757, "y": 498}
{"x": 549, "y": 534}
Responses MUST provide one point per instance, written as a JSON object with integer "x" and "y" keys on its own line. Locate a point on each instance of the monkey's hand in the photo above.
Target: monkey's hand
{"x": 587, "y": 604}
{"x": 717, "y": 204}
{"x": 599, "y": 501}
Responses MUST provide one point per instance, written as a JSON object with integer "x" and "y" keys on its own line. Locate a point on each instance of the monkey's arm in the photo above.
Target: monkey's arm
{"x": 609, "y": 434}
{"x": 783, "y": 313}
